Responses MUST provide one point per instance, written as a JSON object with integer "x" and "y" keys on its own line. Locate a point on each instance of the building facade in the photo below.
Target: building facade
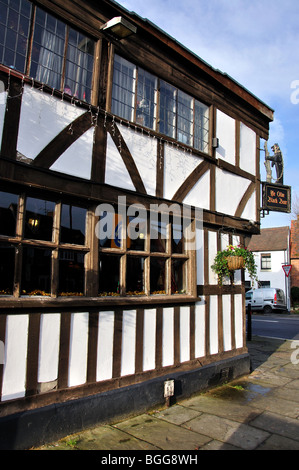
{"x": 272, "y": 250}
{"x": 295, "y": 253}
{"x": 126, "y": 163}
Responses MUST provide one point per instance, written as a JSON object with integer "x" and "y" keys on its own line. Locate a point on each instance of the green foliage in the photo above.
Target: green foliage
{"x": 294, "y": 294}
{"x": 220, "y": 266}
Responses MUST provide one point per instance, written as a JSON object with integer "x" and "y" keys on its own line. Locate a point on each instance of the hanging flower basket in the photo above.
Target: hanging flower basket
{"x": 231, "y": 259}
{"x": 235, "y": 262}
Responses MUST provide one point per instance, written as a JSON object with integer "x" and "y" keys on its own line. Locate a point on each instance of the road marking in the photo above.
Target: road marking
{"x": 267, "y": 321}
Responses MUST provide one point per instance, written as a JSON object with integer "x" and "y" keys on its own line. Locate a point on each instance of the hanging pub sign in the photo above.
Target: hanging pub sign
{"x": 276, "y": 197}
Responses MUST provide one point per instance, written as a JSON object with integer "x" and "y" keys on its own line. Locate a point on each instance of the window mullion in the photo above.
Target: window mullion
{"x": 30, "y": 40}
{"x": 135, "y": 95}
{"x": 62, "y": 83}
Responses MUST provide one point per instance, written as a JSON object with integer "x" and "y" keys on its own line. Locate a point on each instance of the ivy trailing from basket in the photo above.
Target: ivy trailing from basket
{"x": 221, "y": 262}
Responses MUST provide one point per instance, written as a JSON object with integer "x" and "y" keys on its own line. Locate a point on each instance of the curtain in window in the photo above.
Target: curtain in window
{"x": 50, "y": 60}
{"x": 123, "y": 92}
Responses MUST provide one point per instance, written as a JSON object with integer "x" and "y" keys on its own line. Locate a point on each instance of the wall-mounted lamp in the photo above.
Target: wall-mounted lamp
{"x": 119, "y": 27}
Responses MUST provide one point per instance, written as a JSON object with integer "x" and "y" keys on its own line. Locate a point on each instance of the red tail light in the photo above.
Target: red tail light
{"x": 275, "y": 298}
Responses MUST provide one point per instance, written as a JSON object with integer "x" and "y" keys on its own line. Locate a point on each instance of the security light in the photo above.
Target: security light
{"x": 119, "y": 27}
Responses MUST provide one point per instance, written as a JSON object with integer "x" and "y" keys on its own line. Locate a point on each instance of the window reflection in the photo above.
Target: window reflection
{"x": 177, "y": 238}
{"x": 135, "y": 276}
{"x": 158, "y": 276}
{"x": 177, "y": 276}
{"x": 136, "y": 230}
{"x": 8, "y": 213}
{"x": 109, "y": 230}
{"x": 158, "y": 235}
{"x": 73, "y": 221}
{"x": 109, "y": 275}
{"x": 39, "y": 219}
{"x": 71, "y": 272}
{"x": 36, "y": 271}
{"x": 7, "y": 256}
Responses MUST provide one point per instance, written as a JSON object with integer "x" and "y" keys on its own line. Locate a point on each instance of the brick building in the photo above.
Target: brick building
{"x": 295, "y": 252}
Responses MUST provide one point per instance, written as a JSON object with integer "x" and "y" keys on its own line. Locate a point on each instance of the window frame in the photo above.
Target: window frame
{"x": 198, "y": 136}
{"x": 86, "y": 86}
{"x": 266, "y": 261}
{"x": 91, "y": 250}
{"x": 126, "y": 252}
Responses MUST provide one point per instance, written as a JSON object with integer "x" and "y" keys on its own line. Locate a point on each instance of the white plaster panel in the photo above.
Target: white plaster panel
{"x": 77, "y": 159}
{"x": 199, "y": 257}
{"x": 105, "y": 345}
{"x": 42, "y": 118}
{"x": 238, "y": 272}
{"x": 212, "y": 240}
{"x": 249, "y": 211}
{"x": 167, "y": 337}
{"x": 200, "y": 328}
{"x": 149, "y": 339}
{"x": 49, "y": 347}
{"x": 116, "y": 171}
{"x": 144, "y": 152}
{"x": 128, "y": 342}
{"x": 226, "y": 133}
{"x": 230, "y": 189}
{"x": 224, "y": 245}
{"x": 226, "y": 311}
{"x": 178, "y": 165}
{"x": 247, "y": 149}
{"x": 78, "y": 348}
{"x": 184, "y": 334}
{"x": 213, "y": 324}
{"x": 199, "y": 195}
{"x": 3, "y": 98}
{"x": 16, "y": 345}
{"x": 238, "y": 320}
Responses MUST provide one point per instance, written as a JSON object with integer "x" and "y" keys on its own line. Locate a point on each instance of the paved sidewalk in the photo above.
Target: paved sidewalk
{"x": 259, "y": 411}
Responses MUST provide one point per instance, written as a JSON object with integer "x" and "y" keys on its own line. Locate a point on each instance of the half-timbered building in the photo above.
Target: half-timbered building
{"x": 126, "y": 163}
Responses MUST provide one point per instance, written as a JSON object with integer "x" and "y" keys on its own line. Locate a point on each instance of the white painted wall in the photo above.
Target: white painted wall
{"x": 276, "y": 275}
{"x": 226, "y": 133}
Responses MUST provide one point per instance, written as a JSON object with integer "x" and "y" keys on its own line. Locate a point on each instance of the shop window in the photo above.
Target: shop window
{"x": 59, "y": 56}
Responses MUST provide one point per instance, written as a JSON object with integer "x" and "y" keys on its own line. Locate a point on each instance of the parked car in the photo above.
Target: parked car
{"x": 268, "y": 299}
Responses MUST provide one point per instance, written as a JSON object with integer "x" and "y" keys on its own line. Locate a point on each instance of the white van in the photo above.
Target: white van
{"x": 268, "y": 299}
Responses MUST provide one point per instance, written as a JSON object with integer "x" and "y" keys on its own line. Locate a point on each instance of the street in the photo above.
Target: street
{"x": 281, "y": 326}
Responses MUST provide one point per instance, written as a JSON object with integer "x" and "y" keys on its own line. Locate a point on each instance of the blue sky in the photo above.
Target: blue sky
{"x": 256, "y": 42}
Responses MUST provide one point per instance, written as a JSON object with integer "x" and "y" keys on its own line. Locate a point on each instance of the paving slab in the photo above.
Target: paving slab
{"x": 277, "y": 424}
{"x": 224, "y": 408}
{"x": 162, "y": 434}
{"x": 229, "y": 431}
{"x": 258, "y": 411}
